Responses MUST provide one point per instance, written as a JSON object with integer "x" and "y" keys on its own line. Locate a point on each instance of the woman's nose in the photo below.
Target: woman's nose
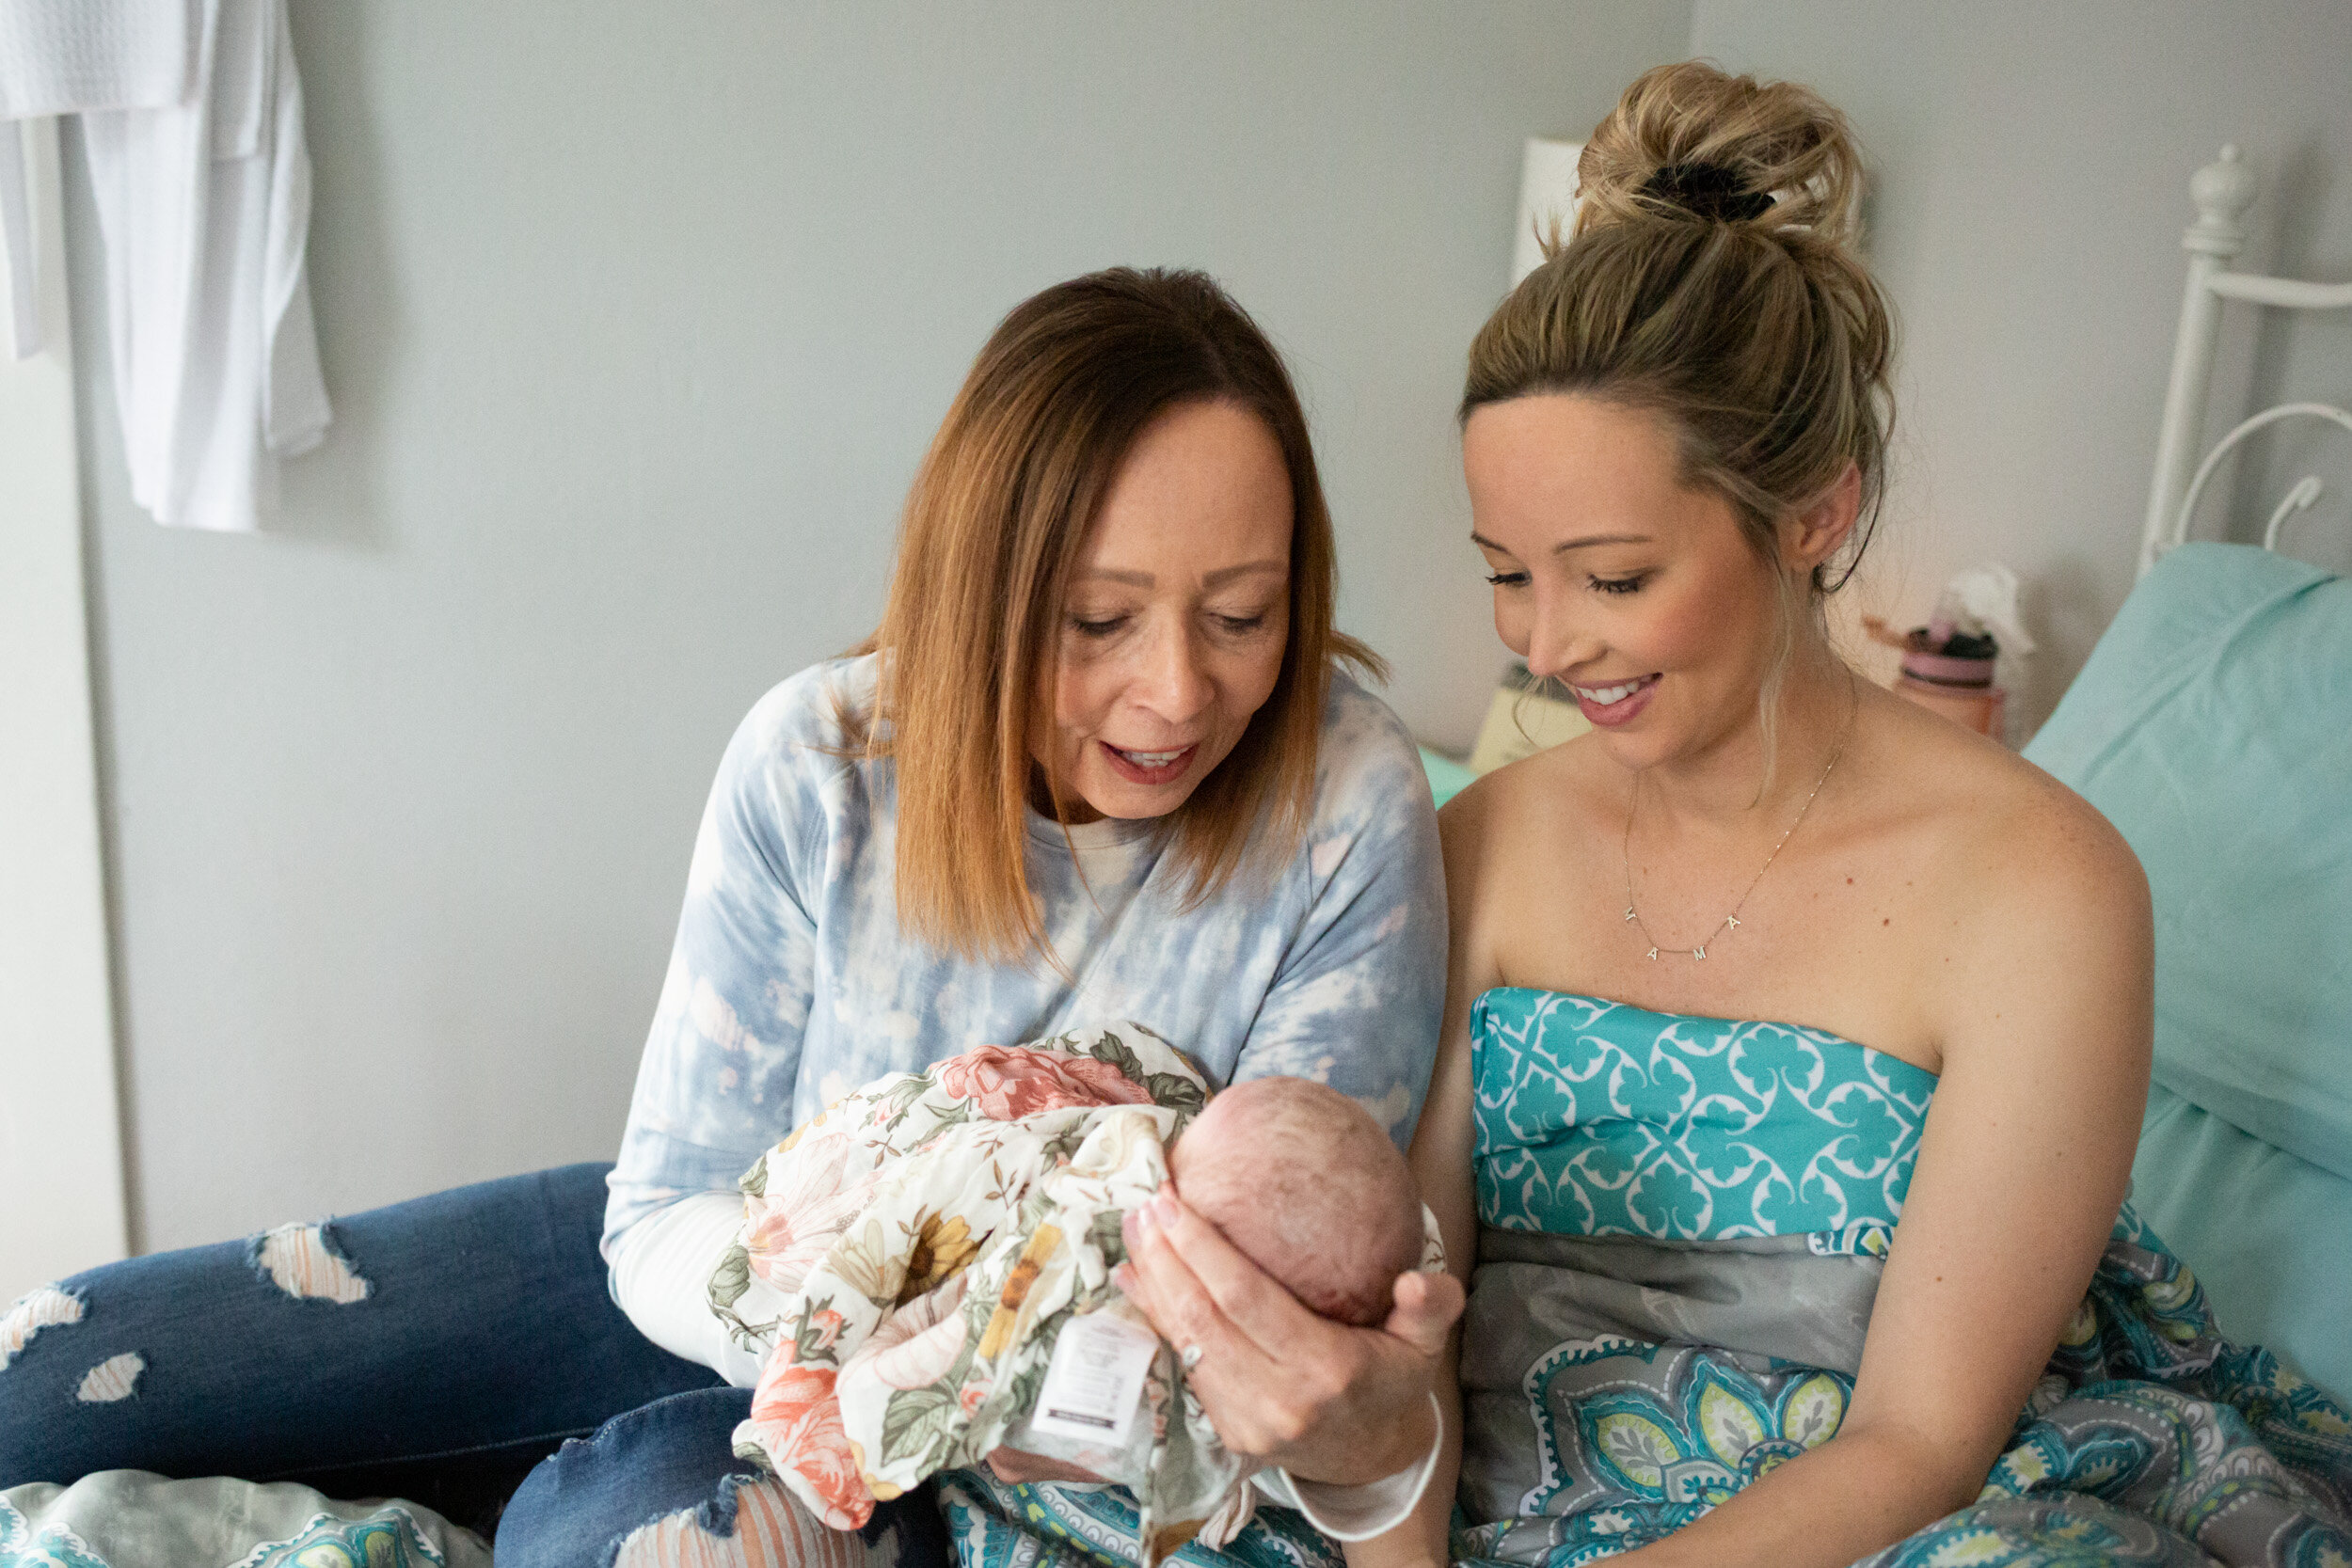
{"x": 1173, "y": 685}
{"x": 1556, "y": 644}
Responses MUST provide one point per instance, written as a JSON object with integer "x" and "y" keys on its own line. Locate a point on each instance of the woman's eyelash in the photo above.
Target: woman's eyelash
{"x": 1237, "y": 624}
{"x": 1605, "y": 585}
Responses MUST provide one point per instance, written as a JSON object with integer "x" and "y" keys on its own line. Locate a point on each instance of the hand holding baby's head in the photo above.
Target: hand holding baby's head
{"x": 1306, "y": 1184}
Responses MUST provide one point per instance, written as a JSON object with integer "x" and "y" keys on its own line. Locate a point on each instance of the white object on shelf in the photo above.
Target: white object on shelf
{"x": 1983, "y": 600}
{"x": 1547, "y": 195}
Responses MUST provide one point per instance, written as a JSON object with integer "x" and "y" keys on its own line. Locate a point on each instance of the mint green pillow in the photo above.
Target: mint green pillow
{"x": 2212, "y": 726}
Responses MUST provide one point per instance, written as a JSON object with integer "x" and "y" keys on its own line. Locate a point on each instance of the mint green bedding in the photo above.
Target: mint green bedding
{"x": 1447, "y": 777}
{"x": 2269, "y": 1235}
{"x": 2213, "y": 726}
{"x": 131, "y": 1519}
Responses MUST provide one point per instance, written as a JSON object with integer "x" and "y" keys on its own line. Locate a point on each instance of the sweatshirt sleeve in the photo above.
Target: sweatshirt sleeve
{"x": 715, "y": 1085}
{"x": 1359, "y": 996}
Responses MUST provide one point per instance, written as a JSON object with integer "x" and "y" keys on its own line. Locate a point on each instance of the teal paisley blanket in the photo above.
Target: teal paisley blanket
{"x": 1682, "y": 1223}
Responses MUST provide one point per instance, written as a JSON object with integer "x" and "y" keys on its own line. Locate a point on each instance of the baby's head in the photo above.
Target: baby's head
{"x": 1304, "y": 1183}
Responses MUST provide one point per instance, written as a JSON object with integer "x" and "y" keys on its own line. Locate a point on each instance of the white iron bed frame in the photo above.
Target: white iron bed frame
{"x": 2222, "y": 191}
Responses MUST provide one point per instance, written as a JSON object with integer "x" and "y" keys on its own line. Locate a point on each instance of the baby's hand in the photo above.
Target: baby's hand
{"x": 1014, "y": 1466}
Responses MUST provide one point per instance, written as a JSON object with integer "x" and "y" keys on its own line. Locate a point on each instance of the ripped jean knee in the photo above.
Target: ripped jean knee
{"x": 46, "y": 1306}
{"x": 307, "y": 1263}
{"x": 757, "y": 1523}
{"x": 466, "y": 1328}
{"x": 90, "y": 1341}
{"x": 662, "y": 1487}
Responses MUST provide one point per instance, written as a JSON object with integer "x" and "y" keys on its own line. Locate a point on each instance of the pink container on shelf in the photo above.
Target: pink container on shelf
{"x": 1948, "y": 672}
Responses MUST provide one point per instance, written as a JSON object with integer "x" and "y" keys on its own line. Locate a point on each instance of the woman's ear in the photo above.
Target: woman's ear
{"x": 1810, "y": 536}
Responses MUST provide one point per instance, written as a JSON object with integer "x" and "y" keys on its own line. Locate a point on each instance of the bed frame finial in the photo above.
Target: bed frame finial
{"x": 2222, "y": 190}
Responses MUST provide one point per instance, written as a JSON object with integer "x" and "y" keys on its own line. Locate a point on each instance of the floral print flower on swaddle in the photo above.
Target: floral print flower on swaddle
{"x": 907, "y": 1260}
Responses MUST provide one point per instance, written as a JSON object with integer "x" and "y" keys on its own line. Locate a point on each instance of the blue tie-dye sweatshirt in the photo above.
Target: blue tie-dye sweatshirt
{"x": 790, "y": 984}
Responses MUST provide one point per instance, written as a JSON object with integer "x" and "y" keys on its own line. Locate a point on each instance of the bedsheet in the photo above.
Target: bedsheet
{"x": 131, "y": 1519}
{"x": 2213, "y": 726}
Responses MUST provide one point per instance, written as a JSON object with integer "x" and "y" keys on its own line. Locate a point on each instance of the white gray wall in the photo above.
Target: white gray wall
{"x": 2031, "y": 167}
{"x": 637, "y": 319}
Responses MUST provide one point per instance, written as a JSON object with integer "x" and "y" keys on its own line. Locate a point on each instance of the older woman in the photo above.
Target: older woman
{"x": 1796, "y": 1039}
{"x": 1099, "y": 762}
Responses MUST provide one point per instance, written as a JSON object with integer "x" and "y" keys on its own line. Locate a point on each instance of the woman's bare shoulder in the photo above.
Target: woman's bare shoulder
{"x": 1522, "y": 825}
{"x": 2016, "y": 852}
{"x": 1564, "y": 782}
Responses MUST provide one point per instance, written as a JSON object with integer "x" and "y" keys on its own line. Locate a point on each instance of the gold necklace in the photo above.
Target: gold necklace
{"x": 1731, "y": 921}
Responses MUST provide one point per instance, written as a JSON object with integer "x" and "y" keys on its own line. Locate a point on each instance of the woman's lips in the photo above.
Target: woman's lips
{"x": 1150, "y": 767}
{"x": 1632, "y": 697}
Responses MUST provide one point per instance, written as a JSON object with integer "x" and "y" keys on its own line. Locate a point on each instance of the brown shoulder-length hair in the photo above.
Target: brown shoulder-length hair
{"x": 993, "y": 525}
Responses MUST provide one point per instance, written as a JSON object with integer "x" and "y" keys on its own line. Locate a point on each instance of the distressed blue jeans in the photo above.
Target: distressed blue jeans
{"x": 439, "y": 1350}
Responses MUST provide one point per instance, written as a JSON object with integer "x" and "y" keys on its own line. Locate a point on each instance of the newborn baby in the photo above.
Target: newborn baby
{"x": 925, "y": 1267}
{"x": 1308, "y": 1187}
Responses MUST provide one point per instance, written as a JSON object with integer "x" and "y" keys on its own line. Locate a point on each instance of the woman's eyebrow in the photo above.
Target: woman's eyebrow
{"x": 1215, "y": 579}
{"x": 1566, "y": 544}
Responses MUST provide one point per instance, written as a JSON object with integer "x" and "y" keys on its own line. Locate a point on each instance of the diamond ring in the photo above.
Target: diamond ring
{"x": 1190, "y": 1359}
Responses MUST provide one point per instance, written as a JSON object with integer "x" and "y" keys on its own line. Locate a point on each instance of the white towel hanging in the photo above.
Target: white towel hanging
{"x": 206, "y": 211}
{"x": 191, "y": 118}
{"x": 63, "y": 56}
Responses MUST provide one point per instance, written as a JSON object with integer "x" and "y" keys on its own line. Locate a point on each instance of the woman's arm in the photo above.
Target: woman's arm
{"x": 1442, "y": 1159}
{"x": 716, "y": 1083}
{"x": 2044, "y": 997}
{"x": 1357, "y": 998}
{"x": 1357, "y": 1003}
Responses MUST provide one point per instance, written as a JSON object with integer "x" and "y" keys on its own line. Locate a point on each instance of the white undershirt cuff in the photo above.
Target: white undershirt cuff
{"x": 1359, "y": 1513}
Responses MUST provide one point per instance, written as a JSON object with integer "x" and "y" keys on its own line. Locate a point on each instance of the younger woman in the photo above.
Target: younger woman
{"x": 1796, "y": 1039}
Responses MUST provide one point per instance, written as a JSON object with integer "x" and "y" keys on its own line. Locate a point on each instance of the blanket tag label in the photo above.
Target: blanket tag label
{"x": 1094, "y": 1384}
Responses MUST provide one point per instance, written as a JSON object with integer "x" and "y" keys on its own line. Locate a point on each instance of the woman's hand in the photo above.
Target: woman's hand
{"x": 1322, "y": 1401}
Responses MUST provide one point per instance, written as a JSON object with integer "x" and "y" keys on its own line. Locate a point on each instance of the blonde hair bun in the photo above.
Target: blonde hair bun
{"x": 1688, "y": 143}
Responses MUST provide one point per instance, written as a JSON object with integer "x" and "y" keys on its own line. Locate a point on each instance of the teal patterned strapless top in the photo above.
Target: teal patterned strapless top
{"x": 1596, "y": 1118}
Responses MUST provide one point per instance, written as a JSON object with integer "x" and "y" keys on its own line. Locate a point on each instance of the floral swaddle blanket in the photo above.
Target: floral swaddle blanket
{"x": 908, "y": 1261}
